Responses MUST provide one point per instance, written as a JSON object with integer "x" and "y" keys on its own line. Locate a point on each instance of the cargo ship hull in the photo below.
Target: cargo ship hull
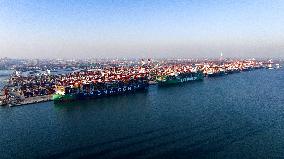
{"x": 59, "y": 98}
{"x": 171, "y": 80}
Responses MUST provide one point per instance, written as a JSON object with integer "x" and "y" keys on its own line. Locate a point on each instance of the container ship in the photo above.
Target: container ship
{"x": 179, "y": 78}
{"x": 215, "y": 72}
{"x": 96, "y": 90}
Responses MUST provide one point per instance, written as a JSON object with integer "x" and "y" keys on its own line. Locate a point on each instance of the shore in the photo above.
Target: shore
{"x": 36, "y": 99}
{"x": 26, "y": 101}
{"x": 23, "y": 90}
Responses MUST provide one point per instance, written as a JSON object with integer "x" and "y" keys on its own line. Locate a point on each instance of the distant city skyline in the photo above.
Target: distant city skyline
{"x": 139, "y": 29}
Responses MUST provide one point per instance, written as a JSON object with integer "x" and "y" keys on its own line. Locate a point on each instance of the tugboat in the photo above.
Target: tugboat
{"x": 179, "y": 78}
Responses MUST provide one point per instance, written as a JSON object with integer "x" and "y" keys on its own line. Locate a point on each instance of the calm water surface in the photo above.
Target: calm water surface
{"x": 234, "y": 116}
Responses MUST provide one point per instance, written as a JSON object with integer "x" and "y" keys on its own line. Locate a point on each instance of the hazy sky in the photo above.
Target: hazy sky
{"x": 137, "y": 28}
